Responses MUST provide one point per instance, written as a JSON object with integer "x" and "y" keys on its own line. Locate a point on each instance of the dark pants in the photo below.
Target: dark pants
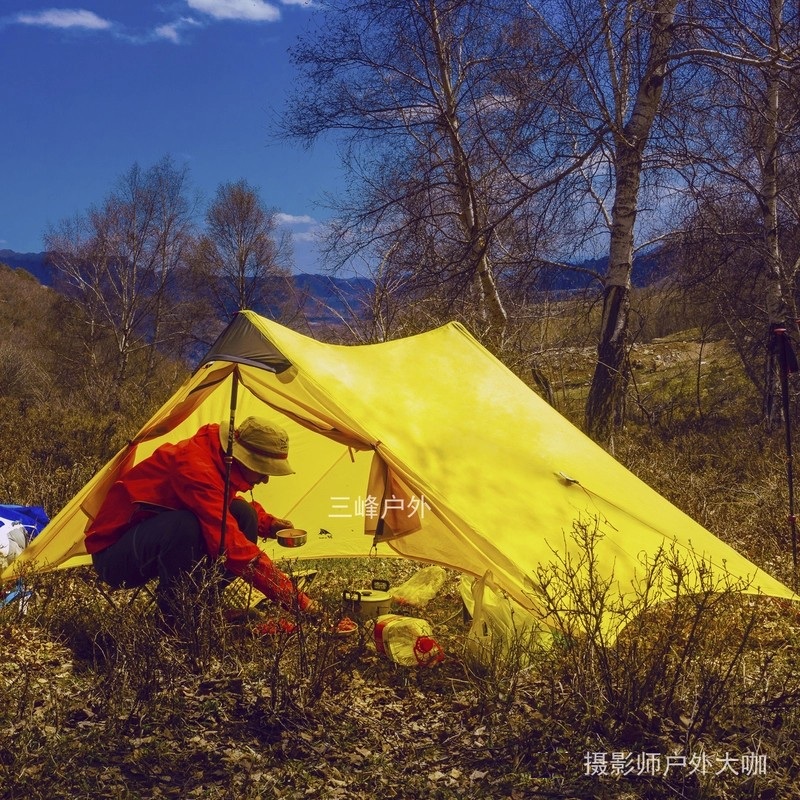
{"x": 168, "y": 546}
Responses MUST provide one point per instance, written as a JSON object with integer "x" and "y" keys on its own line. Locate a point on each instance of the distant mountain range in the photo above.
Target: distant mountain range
{"x": 31, "y": 262}
{"x": 324, "y": 298}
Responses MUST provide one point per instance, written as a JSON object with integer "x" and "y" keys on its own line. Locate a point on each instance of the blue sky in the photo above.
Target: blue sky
{"x": 88, "y": 89}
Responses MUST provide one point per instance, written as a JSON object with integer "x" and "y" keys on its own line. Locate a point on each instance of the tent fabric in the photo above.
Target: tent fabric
{"x": 425, "y": 447}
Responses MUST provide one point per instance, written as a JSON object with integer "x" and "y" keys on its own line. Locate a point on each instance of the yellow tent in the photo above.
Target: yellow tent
{"x": 428, "y": 446}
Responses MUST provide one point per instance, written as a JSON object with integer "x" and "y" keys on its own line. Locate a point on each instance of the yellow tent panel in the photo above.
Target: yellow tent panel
{"x": 428, "y": 442}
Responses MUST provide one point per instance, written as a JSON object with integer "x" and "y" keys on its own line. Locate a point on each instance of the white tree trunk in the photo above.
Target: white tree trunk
{"x": 605, "y": 404}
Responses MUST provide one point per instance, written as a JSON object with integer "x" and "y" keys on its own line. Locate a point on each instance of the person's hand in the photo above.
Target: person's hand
{"x": 268, "y": 526}
{"x": 311, "y": 608}
{"x": 279, "y": 525}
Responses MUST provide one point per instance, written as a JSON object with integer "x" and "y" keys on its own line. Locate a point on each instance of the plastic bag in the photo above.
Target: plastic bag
{"x": 420, "y": 588}
{"x": 12, "y": 541}
{"x": 501, "y": 628}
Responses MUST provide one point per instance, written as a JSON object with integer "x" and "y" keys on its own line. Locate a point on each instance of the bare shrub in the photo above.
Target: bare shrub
{"x": 631, "y": 658}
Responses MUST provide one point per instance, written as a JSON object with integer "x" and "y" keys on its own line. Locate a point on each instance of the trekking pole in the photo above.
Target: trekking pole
{"x": 229, "y": 458}
{"x": 788, "y": 363}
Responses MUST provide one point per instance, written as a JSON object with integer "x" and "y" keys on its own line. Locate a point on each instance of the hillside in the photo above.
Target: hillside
{"x": 34, "y": 263}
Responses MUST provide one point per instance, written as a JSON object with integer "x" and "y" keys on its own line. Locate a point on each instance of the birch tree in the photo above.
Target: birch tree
{"x": 442, "y": 107}
{"x": 621, "y": 51}
{"x": 120, "y": 259}
{"x": 173, "y": 236}
{"x": 746, "y": 151}
{"x": 241, "y": 250}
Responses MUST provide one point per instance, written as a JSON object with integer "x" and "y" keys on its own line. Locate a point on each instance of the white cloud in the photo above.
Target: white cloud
{"x": 172, "y": 30}
{"x": 312, "y": 235}
{"x": 303, "y": 227}
{"x": 65, "y": 18}
{"x": 169, "y": 32}
{"x": 248, "y": 10}
{"x": 293, "y": 219}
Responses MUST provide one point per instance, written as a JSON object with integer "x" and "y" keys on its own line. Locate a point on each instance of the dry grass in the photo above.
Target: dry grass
{"x": 94, "y": 702}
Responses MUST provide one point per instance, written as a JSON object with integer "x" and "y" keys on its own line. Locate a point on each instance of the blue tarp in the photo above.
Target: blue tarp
{"x": 33, "y": 518}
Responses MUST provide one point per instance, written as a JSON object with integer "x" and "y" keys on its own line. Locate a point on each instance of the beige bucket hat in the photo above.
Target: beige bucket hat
{"x": 259, "y": 444}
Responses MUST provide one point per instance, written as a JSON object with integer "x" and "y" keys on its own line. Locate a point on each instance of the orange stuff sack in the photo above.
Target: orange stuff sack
{"x": 407, "y": 641}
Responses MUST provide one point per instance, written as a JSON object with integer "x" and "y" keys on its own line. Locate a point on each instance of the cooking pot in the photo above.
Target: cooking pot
{"x": 292, "y": 537}
{"x": 364, "y": 604}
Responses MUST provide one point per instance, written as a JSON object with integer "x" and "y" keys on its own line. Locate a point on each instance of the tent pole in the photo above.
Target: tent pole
{"x": 229, "y": 458}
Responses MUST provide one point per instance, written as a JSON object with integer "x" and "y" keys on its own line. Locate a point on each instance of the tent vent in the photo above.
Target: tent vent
{"x": 241, "y": 342}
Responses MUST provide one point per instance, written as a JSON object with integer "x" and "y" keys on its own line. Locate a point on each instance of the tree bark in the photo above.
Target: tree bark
{"x": 605, "y": 403}
{"x": 781, "y": 310}
{"x": 491, "y": 304}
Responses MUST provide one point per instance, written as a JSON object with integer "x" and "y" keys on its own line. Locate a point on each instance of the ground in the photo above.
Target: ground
{"x": 97, "y": 703}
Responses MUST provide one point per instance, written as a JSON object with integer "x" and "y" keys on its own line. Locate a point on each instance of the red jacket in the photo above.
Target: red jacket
{"x": 191, "y": 475}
